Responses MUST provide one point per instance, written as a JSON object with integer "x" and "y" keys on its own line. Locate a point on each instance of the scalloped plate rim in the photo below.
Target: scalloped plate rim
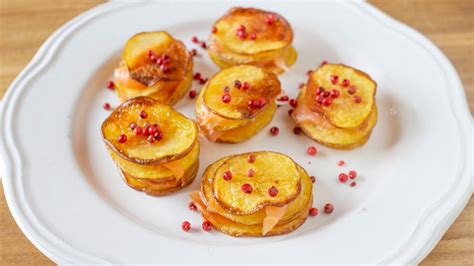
{"x": 59, "y": 251}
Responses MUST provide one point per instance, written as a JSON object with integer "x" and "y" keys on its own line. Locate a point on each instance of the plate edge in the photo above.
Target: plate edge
{"x": 77, "y": 21}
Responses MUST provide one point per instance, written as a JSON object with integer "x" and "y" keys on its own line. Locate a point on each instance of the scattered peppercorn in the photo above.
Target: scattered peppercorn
{"x": 186, "y": 226}
{"x": 328, "y": 208}
{"x": 313, "y": 211}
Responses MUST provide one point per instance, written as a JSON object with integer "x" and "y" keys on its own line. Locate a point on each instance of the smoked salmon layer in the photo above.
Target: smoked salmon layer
{"x": 156, "y": 65}
{"x": 337, "y": 107}
{"x": 236, "y": 103}
{"x": 255, "y": 194}
{"x": 155, "y": 148}
{"x": 252, "y": 36}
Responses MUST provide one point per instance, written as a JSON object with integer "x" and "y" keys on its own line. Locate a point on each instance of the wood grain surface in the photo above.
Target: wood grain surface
{"x": 25, "y": 25}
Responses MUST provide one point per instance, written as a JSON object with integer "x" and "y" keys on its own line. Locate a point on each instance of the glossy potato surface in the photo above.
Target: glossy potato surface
{"x": 156, "y": 171}
{"x": 167, "y": 92}
{"x": 277, "y": 61}
{"x": 318, "y": 128}
{"x": 270, "y": 169}
{"x": 293, "y": 208}
{"x": 146, "y": 71}
{"x": 268, "y": 36}
{"x": 161, "y": 187}
{"x": 179, "y": 133}
{"x": 237, "y": 229}
{"x": 344, "y": 112}
{"x": 263, "y": 85}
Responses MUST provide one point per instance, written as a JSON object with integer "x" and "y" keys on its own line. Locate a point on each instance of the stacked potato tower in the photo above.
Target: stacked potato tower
{"x": 337, "y": 106}
{"x": 252, "y": 36}
{"x": 156, "y": 65}
{"x": 155, "y": 147}
{"x": 237, "y": 103}
{"x": 255, "y": 194}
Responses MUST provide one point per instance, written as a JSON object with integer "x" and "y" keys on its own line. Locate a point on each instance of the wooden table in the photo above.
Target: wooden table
{"x": 25, "y": 25}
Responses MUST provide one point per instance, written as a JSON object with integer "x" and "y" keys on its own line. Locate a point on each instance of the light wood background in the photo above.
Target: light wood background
{"x": 25, "y": 25}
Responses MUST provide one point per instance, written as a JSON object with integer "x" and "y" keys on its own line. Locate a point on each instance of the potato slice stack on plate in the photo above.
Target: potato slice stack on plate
{"x": 252, "y": 36}
{"x": 155, "y": 147}
{"x": 154, "y": 65}
{"x": 255, "y": 194}
{"x": 236, "y": 103}
{"x": 337, "y": 106}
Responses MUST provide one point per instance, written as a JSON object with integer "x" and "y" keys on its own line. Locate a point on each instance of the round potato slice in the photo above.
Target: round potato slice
{"x": 293, "y": 208}
{"x": 270, "y": 169}
{"x": 178, "y": 139}
{"x": 147, "y": 71}
{"x": 212, "y": 121}
{"x": 236, "y": 229}
{"x": 344, "y": 139}
{"x": 345, "y": 111}
{"x": 275, "y": 61}
{"x": 247, "y": 131}
{"x": 219, "y": 129}
{"x": 161, "y": 188}
{"x": 167, "y": 92}
{"x": 271, "y": 31}
{"x": 156, "y": 171}
{"x": 264, "y": 86}
{"x": 319, "y": 129}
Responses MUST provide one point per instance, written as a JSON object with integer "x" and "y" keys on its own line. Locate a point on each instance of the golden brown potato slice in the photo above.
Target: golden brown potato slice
{"x": 293, "y": 208}
{"x": 145, "y": 69}
{"x": 277, "y": 61}
{"x": 157, "y": 171}
{"x": 318, "y": 127}
{"x": 258, "y": 33}
{"x": 179, "y": 134}
{"x": 137, "y": 47}
{"x": 219, "y": 129}
{"x": 236, "y": 229}
{"x": 161, "y": 188}
{"x": 338, "y": 138}
{"x": 167, "y": 92}
{"x": 263, "y": 87}
{"x": 212, "y": 121}
{"x": 255, "y": 37}
{"x": 245, "y": 193}
{"x": 247, "y": 131}
{"x": 355, "y": 100}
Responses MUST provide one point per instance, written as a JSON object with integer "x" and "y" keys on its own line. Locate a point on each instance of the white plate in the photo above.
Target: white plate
{"x": 67, "y": 197}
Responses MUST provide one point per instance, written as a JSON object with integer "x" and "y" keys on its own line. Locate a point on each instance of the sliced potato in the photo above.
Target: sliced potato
{"x": 167, "y": 92}
{"x": 211, "y": 121}
{"x": 338, "y": 138}
{"x": 270, "y": 169}
{"x": 137, "y": 47}
{"x": 179, "y": 133}
{"x": 219, "y": 129}
{"x": 292, "y": 209}
{"x": 268, "y": 36}
{"x": 156, "y": 171}
{"x": 344, "y": 112}
{"x": 247, "y": 131}
{"x": 236, "y": 229}
{"x": 148, "y": 72}
{"x": 161, "y": 188}
{"x": 318, "y": 127}
{"x": 276, "y": 61}
{"x": 263, "y": 85}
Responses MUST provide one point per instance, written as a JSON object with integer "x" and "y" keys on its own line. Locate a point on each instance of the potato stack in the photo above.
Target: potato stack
{"x": 337, "y": 106}
{"x": 255, "y": 194}
{"x": 155, "y": 147}
{"x": 236, "y": 103}
{"x": 252, "y": 36}
{"x": 155, "y": 65}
